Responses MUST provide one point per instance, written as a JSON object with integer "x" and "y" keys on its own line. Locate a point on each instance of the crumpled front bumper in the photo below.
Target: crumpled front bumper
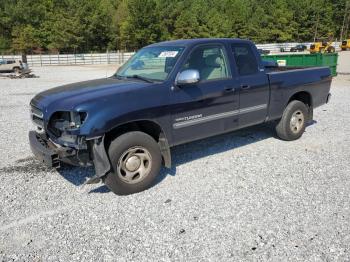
{"x": 52, "y": 155}
{"x": 42, "y": 151}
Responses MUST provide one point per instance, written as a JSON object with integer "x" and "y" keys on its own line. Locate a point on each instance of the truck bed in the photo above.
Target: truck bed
{"x": 284, "y": 81}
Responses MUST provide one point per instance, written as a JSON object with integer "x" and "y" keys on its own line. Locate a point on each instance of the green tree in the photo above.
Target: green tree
{"x": 64, "y": 32}
{"x": 97, "y": 25}
{"x": 24, "y": 38}
{"x": 142, "y": 25}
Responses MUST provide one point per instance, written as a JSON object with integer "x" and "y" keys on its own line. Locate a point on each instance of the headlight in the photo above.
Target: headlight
{"x": 76, "y": 119}
{"x": 66, "y": 121}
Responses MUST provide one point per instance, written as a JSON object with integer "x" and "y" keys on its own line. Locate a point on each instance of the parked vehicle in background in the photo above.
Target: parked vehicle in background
{"x": 322, "y": 47}
{"x": 298, "y": 48}
{"x": 11, "y": 66}
{"x": 345, "y": 45}
{"x": 167, "y": 94}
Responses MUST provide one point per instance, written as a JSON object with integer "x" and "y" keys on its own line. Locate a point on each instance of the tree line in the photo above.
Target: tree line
{"x": 100, "y": 25}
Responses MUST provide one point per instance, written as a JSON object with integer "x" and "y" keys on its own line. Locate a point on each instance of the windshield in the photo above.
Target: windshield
{"x": 153, "y": 63}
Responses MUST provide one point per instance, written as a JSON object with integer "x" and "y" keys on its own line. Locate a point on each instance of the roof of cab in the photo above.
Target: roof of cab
{"x": 190, "y": 42}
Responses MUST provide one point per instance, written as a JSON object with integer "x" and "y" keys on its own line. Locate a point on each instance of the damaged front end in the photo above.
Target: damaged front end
{"x": 58, "y": 139}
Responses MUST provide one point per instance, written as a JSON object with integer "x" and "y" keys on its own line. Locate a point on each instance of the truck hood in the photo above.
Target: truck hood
{"x": 69, "y": 97}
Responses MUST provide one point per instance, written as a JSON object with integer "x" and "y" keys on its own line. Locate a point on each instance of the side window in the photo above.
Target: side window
{"x": 245, "y": 59}
{"x": 210, "y": 61}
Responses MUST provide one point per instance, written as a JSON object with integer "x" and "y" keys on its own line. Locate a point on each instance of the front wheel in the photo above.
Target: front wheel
{"x": 293, "y": 122}
{"x": 17, "y": 70}
{"x": 136, "y": 161}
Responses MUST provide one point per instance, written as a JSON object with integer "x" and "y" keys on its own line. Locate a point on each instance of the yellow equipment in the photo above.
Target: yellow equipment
{"x": 322, "y": 47}
{"x": 345, "y": 45}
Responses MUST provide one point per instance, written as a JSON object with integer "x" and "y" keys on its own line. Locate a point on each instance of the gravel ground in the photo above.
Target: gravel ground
{"x": 243, "y": 196}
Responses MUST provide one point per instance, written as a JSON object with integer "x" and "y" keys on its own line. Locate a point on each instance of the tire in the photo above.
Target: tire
{"x": 331, "y": 49}
{"x": 136, "y": 161}
{"x": 293, "y": 122}
{"x": 17, "y": 70}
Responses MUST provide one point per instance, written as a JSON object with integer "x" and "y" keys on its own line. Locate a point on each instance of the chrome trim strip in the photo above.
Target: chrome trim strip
{"x": 218, "y": 116}
{"x": 252, "y": 109}
{"x": 37, "y": 115}
{"x": 204, "y": 119}
{"x": 36, "y": 112}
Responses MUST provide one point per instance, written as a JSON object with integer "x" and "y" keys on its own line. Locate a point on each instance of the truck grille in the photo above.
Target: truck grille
{"x": 37, "y": 117}
{"x": 37, "y": 112}
{"x": 38, "y": 121}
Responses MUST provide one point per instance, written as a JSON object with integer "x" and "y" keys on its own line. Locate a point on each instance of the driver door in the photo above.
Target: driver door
{"x": 210, "y": 106}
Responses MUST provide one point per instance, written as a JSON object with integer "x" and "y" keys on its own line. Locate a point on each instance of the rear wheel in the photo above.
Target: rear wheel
{"x": 136, "y": 161}
{"x": 293, "y": 122}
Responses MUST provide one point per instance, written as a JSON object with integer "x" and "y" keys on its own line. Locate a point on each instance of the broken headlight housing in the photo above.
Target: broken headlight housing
{"x": 61, "y": 123}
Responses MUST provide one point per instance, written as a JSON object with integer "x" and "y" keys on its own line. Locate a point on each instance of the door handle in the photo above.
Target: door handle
{"x": 245, "y": 87}
{"x": 229, "y": 89}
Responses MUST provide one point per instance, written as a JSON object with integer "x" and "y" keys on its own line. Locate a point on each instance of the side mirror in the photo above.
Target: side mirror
{"x": 269, "y": 64}
{"x": 190, "y": 76}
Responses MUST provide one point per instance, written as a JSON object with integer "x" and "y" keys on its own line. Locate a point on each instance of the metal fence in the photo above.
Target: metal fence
{"x": 119, "y": 57}
{"x": 74, "y": 59}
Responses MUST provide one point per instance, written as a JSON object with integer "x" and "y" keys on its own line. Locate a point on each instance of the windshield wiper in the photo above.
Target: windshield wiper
{"x": 141, "y": 78}
{"x": 118, "y": 76}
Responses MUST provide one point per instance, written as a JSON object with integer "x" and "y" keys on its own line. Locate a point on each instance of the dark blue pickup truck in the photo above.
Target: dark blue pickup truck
{"x": 167, "y": 94}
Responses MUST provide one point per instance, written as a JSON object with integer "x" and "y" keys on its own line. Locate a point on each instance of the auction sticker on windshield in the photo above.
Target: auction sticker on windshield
{"x": 168, "y": 54}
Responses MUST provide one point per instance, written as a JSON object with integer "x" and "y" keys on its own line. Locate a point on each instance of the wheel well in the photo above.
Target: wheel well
{"x": 304, "y": 97}
{"x": 149, "y": 127}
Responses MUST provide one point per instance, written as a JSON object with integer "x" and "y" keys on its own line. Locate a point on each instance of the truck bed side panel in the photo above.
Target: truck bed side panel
{"x": 284, "y": 84}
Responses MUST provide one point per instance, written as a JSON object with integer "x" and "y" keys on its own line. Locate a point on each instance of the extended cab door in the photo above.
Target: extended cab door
{"x": 254, "y": 85}
{"x": 210, "y": 106}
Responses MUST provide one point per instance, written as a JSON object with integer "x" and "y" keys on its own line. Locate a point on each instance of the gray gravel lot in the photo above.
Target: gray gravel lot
{"x": 243, "y": 196}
